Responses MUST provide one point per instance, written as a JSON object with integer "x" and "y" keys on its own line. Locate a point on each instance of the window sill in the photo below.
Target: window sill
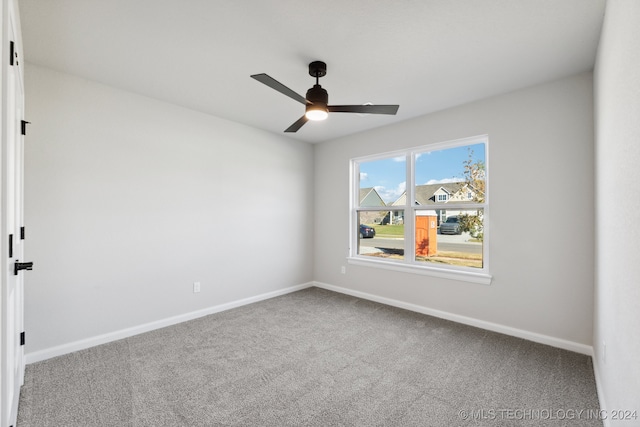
{"x": 464, "y": 276}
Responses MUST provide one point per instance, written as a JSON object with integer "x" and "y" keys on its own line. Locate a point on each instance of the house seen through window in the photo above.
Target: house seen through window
{"x": 425, "y": 207}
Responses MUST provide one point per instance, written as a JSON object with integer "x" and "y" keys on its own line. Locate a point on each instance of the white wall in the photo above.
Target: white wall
{"x": 130, "y": 200}
{"x": 542, "y": 212}
{"x": 617, "y": 314}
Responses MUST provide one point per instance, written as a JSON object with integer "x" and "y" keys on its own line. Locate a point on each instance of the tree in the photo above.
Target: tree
{"x": 474, "y": 181}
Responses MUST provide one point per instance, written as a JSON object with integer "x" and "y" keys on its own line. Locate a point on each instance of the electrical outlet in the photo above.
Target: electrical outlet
{"x": 196, "y": 287}
{"x": 343, "y": 270}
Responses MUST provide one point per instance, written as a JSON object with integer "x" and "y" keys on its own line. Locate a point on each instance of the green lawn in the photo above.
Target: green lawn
{"x": 396, "y": 230}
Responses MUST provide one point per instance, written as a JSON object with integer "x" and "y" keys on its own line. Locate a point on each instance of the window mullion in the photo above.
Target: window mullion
{"x": 451, "y": 206}
{"x": 355, "y": 203}
{"x": 409, "y": 215}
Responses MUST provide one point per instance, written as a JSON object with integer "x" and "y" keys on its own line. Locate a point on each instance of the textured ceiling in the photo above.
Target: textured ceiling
{"x": 426, "y": 55}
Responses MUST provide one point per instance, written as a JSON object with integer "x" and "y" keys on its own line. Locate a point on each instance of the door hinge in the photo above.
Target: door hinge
{"x": 10, "y": 245}
{"x": 13, "y": 55}
{"x": 21, "y": 338}
{"x": 22, "y": 233}
{"x": 23, "y": 126}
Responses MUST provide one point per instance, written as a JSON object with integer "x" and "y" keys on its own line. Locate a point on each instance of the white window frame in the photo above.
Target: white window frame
{"x": 408, "y": 263}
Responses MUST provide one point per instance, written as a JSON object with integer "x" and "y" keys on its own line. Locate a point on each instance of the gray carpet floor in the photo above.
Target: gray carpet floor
{"x": 313, "y": 358}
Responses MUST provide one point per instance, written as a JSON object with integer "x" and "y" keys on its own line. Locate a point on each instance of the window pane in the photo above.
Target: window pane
{"x": 382, "y": 182}
{"x": 380, "y": 238}
{"x": 453, "y": 175}
{"x": 451, "y": 237}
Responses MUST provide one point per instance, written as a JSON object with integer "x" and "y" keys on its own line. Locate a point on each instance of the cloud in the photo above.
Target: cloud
{"x": 363, "y": 176}
{"x": 443, "y": 181}
{"x": 391, "y": 194}
{"x": 400, "y": 159}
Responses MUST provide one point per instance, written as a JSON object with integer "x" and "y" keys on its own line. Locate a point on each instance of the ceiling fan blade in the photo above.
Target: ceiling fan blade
{"x": 364, "y": 109}
{"x": 274, "y": 84}
{"x": 297, "y": 125}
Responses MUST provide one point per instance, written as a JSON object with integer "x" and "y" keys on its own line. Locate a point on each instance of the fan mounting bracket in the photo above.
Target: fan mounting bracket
{"x": 317, "y": 69}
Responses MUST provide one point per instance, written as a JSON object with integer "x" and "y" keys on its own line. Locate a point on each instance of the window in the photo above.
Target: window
{"x": 423, "y": 210}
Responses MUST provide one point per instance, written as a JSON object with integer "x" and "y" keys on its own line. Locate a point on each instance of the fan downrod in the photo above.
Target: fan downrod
{"x": 317, "y": 69}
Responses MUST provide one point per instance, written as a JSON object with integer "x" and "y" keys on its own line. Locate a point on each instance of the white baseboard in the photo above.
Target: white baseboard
{"x": 60, "y": 350}
{"x": 606, "y": 422}
{"x": 495, "y": 327}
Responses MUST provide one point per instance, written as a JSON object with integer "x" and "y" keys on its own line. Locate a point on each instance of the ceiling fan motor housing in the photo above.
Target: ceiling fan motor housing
{"x": 318, "y": 96}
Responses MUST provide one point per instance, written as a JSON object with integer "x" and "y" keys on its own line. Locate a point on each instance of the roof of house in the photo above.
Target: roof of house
{"x": 371, "y": 192}
{"x": 425, "y": 194}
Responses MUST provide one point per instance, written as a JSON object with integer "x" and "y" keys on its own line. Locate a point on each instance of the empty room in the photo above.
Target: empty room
{"x": 338, "y": 213}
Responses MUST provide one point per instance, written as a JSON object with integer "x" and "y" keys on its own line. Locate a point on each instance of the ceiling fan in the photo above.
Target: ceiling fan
{"x": 317, "y": 99}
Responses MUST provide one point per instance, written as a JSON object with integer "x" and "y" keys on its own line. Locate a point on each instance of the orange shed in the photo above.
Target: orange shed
{"x": 426, "y": 234}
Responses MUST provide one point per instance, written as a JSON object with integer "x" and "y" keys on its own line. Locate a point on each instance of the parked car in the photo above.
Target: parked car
{"x": 451, "y": 226}
{"x": 366, "y": 231}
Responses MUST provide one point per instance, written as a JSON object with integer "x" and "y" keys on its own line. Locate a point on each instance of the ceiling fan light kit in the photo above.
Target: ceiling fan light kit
{"x": 316, "y": 113}
{"x": 316, "y": 101}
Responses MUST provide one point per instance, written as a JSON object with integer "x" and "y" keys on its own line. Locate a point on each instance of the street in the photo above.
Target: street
{"x": 453, "y": 243}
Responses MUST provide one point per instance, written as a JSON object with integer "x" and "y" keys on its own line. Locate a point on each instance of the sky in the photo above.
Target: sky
{"x": 388, "y": 176}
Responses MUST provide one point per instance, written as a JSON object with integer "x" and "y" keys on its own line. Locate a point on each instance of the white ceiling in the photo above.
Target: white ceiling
{"x": 425, "y": 55}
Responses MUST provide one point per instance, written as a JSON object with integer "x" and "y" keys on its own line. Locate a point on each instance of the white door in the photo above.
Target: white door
{"x": 12, "y": 223}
